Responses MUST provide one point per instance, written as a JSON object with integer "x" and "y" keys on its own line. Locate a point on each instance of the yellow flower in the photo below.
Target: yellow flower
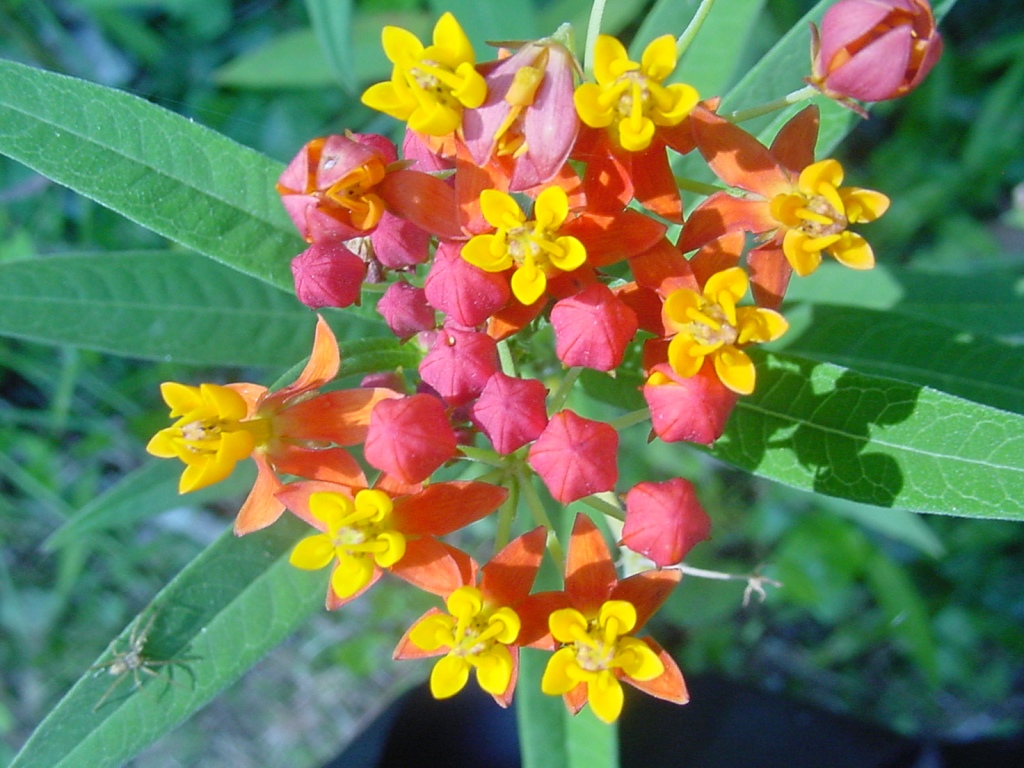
{"x": 476, "y": 636}
{"x": 817, "y": 213}
{"x": 358, "y": 534}
{"x": 711, "y": 325}
{"x": 431, "y": 85}
{"x": 595, "y": 652}
{"x": 534, "y": 247}
{"x": 209, "y": 435}
{"x": 629, "y": 96}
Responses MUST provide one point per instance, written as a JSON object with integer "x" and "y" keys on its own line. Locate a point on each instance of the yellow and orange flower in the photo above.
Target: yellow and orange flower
{"x": 293, "y": 431}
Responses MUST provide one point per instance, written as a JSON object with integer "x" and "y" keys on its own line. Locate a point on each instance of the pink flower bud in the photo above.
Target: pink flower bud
{"x": 664, "y": 521}
{"x": 593, "y": 328}
{"x": 409, "y": 437}
{"x": 466, "y": 294}
{"x": 459, "y": 364}
{"x": 874, "y": 50}
{"x": 327, "y": 274}
{"x": 575, "y": 457}
{"x": 511, "y": 412}
{"x": 694, "y": 408}
{"x": 405, "y": 310}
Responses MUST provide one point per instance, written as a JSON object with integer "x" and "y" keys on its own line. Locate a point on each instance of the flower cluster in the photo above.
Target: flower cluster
{"x": 529, "y": 206}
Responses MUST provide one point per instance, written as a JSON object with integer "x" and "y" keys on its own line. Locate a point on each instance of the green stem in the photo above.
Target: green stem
{"x": 795, "y": 97}
{"x": 629, "y": 419}
{"x": 564, "y": 388}
{"x": 593, "y": 30}
{"x": 507, "y": 514}
{"x": 604, "y": 507}
{"x": 540, "y": 516}
{"x": 508, "y": 364}
{"x": 684, "y": 40}
{"x": 483, "y": 456}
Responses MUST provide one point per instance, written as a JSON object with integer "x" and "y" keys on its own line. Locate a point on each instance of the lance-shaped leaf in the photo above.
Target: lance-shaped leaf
{"x": 161, "y": 170}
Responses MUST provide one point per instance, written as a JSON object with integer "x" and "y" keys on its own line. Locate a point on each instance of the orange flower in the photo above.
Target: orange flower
{"x": 291, "y": 431}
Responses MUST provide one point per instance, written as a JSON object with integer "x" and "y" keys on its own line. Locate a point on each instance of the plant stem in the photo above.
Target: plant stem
{"x": 483, "y": 456}
{"x": 540, "y": 516}
{"x": 564, "y": 388}
{"x": 508, "y": 364}
{"x": 593, "y": 30}
{"x": 605, "y": 507}
{"x": 629, "y": 419}
{"x": 507, "y": 514}
{"x": 795, "y": 97}
{"x": 684, "y": 40}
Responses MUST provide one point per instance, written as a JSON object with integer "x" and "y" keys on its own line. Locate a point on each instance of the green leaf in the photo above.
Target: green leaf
{"x": 231, "y": 605}
{"x": 145, "y": 492}
{"x": 710, "y": 63}
{"x": 549, "y": 737}
{"x": 985, "y": 302}
{"x": 834, "y": 431}
{"x": 162, "y": 171}
{"x": 908, "y": 348}
{"x": 292, "y": 59}
{"x": 158, "y": 305}
{"x": 332, "y": 23}
{"x": 906, "y": 611}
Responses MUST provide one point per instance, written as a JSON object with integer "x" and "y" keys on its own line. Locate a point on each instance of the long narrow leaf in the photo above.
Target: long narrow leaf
{"x": 165, "y": 172}
{"x": 230, "y": 606}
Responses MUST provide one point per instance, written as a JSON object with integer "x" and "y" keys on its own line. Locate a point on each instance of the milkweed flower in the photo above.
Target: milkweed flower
{"x": 537, "y": 249}
{"x": 430, "y": 85}
{"x": 527, "y": 119}
{"x": 711, "y": 325}
{"x": 364, "y": 531}
{"x": 873, "y": 50}
{"x": 629, "y": 97}
{"x": 482, "y": 629}
{"x": 292, "y": 431}
{"x": 598, "y": 650}
{"x": 797, "y": 207}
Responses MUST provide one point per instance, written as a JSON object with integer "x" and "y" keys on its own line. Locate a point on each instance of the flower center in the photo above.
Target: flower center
{"x": 352, "y": 192}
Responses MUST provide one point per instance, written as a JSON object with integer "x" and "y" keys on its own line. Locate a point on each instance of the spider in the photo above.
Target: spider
{"x": 132, "y": 661}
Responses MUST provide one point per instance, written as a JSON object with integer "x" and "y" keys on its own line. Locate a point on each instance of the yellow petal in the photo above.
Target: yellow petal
{"x": 558, "y": 677}
{"x": 528, "y": 283}
{"x": 573, "y": 256}
{"x": 566, "y": 623}
{"x": 479, "y": 252}
{"x": 312, "y": 553}
{"x": 684, "y": 355}
{"x": 735, "y": 370}
{"x": 465, "y": 602}
{"x": 448, "y": 677}
{"x": 395, "y": 548}
{"x": 605, "y": 696}
{"x": 610, "y": 59}
{"x": 500, "y": 209}
{"x": 401, "y": 46}
{"x": 621, "y": 612}
{"x": 659, "y": 58}
{"x": 637, "y": 660}
{"x": 331, "y": 508}
{"x": 494, "y": 669}
{"x": 451, "y": 39}
{"x": 863, "y": 204}
{"x": 635, "y": 135}
{"x": 352, "y": 574}
{"x": 433, "y": 632}
{"x": 852, "y": 250}
{"x": 180, "y": 397}
{"x": 551, "y": 208}
{"x": 473, "y": 89}
{"x": 162, "y": 443}
{"x": 802, "y": 260}
{"x": 510, "y": 624}
{"x": 591, "y": 108}
{"x": 812, "y": 177}
{"x": 758, "y": 325}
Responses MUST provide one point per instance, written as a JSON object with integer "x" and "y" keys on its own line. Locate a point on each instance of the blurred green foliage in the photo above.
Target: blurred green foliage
{"x": 914, "y": 623}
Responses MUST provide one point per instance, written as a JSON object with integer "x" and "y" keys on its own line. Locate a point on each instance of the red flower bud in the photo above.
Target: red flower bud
{"x": 511, "y": 412}
{"x": 409, "y": 437}
{"x": 873, "y": 50}
{"x": 693, "y": 409}
{"x": 575, "y": 457}
{"x": 664, "y": 521}
{"x": 593, "y": 328}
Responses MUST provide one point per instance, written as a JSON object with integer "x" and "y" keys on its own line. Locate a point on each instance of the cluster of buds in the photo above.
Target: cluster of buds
{"x": 529, "y": 204}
